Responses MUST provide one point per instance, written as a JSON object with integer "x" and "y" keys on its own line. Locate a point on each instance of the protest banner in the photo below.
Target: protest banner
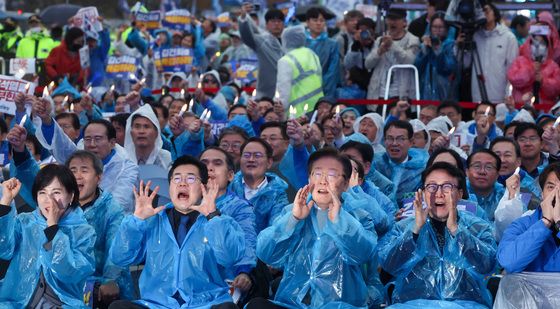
{"x": 9, "y": 87}
{"x": 149, "y": 20}
{"x": 247, "y": 70}
{"x": 120, "y": 67}
{"x": 177, "y": 20}
{"x": 173, "y": 59}
{"x": 22, "y": 65}
{"x": 84, "y": 57}
{"x": 87, "y": 19}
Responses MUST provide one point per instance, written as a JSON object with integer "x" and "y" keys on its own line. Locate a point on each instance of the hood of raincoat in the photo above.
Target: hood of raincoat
{"x": 440, "y": 124}
{"x": 181, "y": 75}
{"x": 73, "y": 216}
{"x": 242, "y": 121}
{"x": 167, "y": 35}
{"x": 418, "y": 126}
{"x": 293, "y": 37}
{"x": 552, "y": 38}
{"x": 64, "y": 88}
{"x": 524, "y": 116}
{"x": 379, "y": 123}
{"x": 147, "y": 112}
{"x": 216, "y": 75}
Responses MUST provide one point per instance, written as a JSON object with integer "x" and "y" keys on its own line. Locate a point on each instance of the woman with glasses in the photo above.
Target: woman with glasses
{"x": 440, "y": 256}
{"x": 436, "y": 61}
{"x": 185, "y": 244}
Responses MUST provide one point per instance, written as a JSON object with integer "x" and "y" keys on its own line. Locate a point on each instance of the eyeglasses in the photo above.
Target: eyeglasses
{"x": 330, "y": 174}
{"x": 95, "y": 139}
{"x": 233, "y": 146}
{"x": 189, "y": 179}
{"x": 487, "y": 168}
{"x": 445, "y": 187}
{"x": 256, "y": 155}
{"x": 484, "y": 113}
{"x": 397, "y": 140}
{"x": 524, "y": 139}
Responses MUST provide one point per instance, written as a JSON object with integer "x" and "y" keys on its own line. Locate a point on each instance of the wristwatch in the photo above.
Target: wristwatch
{"x": 213, "y": 214}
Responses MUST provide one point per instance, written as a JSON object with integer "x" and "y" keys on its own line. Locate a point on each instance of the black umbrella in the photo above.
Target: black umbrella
{"x": 58, "y": 14}
{"x": 301, "y": 12}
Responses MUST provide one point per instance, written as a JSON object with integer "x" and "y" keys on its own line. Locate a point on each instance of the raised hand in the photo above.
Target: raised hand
{"x": 440, "y": 142}
{"x": 10, "y": 188}
{"x": 452, "y": 218}
{"x": 300, "y": 208}
{"x": 42, "y": 108}
{"x": 55, "y": 212}
{"x": 132, "y": 99}
{"x": 143, "y": 208}
{"x": 295, "y": 132}
{"x": 253, "y": 110}
{"x": 421, "y": 214}
{"x": 550, "y": 139}
{"x": 548, "y": 208}
{"x": 242, "y": 282}
{"x": 177, "y": 125}
{"x": 209, "y": 195}
{"x": 556, "y": 210}
{"x": 334, "y": 208}
{"x": 195, "y": 126}
{"x": 17, "y": 137}
{"x": 513, "y": 184}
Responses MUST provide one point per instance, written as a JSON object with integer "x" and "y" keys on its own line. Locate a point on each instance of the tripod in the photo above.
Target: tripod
{"x": 469, "y": 46}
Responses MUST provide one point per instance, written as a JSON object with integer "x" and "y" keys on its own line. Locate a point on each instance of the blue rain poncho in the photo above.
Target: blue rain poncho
{"x": 268, "y": 203}
{"x": 66, "y": 265}
{"x": 195, "y": 270}
{"x": 105, "y": 216}
{"x": 328, "y": 53}
{"x": 405, "y": 176}
{"x": 319, "y": 257}
{"x": 242, "y": 212}
{"x": 384, "y": 202}
{"x": 424, "y": 273}
{"x": 528, "y": 245}
{"x": 490, "y": 202}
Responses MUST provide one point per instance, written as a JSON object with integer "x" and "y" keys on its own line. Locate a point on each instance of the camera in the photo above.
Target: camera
{"x": 435, "y": 40}
{"x": 365, "y": 35}
{"x": 467, "y": 15}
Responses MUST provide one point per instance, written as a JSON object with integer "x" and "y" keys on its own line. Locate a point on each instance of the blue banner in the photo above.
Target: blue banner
{"x": 173, "y": 59}
{"x": 121, "y": 67}
{"x": 177, "y": 20}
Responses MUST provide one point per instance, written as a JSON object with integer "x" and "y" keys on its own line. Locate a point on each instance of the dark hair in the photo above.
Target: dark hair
{"x": 353, "y": 14}
{"x": 72, "y": 34}
{"x": 163, "y": 97}
{"x": 551, "y": 168}
{"x": 73, "y": 117}
{"x": 267, "y": 147}
{"x": 111, "y": 133}
{"x": 511, "y": 124}
{"x": 365, "y": 150}
{"x": 189, "y": 160}
{"x": 212, "y": 24}
{"x": 519, "y": 20}
{"x": 504, "y": 139}
{"x": 329, "y": 152}
{"x": 236, "y": 106}
{"x": 449, "y": 103}
{"x": 164, "y": 110}
{"x": 497, "y": 14}
{"x": 399, "y": 124}
{"x": 87, "y": 155}
{"x": 452, "y": 171}
{"x": 486, "y": 151}
{"x": 524, "y": 126}
{"x": 120, "y": 119}
{"x": 233, "y": 131}
{"x": 47, "y": 174}
{"x": 485, "y": 103}
{"x": 270, "y": 110}
{"x": 273, "y": 14}
{"x": 360, "y": 167}
{"x": 3, "y": 126}
{"x": 229, "y": 160}
{"x": 38, "y": 147}
{"x": 314, "y": 12}
{"x": 453, "y": 153}
{"x": 276, "y": 124}
{"x": 439, "y": 15}
{"x": 366, "y": 21}
{"x": 267, "y": 99}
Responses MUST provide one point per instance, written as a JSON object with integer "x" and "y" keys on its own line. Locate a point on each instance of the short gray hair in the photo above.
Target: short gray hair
{"x": 87, "y": 155}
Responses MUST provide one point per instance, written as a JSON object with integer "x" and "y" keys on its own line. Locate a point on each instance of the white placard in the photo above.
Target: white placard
{"x": 84, "y": 57}
{"x": 87, "y": 19}
{"x": 9, "y": 87}
{"x": 26, "y": 65}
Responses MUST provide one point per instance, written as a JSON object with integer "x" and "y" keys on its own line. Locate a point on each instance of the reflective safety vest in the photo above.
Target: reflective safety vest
{"x": 35, "y": 46}
{"x": 307, "y": 82}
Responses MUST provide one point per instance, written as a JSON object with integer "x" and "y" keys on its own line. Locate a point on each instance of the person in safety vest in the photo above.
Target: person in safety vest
{"x": 299, "y": 79}
{"x": 36, "y": 43}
